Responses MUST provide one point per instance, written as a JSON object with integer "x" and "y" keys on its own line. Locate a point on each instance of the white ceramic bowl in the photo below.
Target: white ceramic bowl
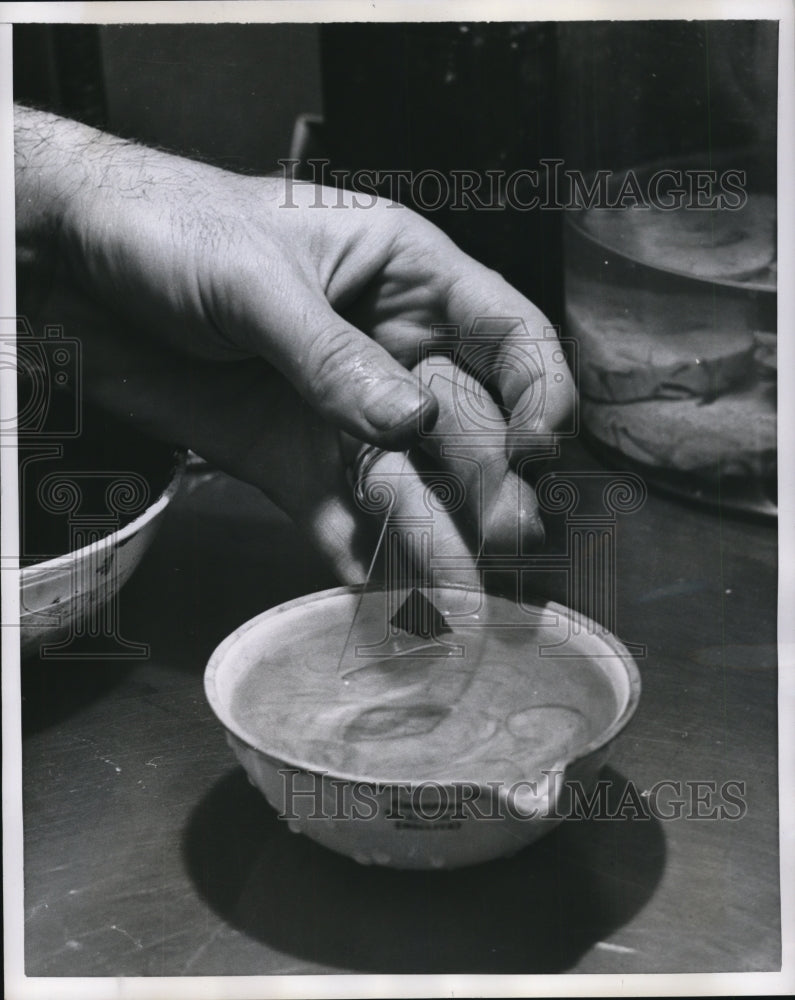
{"x": 62, "y": 595}
{"x": 414, "y": 821}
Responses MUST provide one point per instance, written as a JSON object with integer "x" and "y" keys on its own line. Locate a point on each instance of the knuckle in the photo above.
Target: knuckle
{"x": 331, "y": 356}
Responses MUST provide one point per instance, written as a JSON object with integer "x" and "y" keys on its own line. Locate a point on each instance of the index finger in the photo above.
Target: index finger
{"x": 511, "y": 347}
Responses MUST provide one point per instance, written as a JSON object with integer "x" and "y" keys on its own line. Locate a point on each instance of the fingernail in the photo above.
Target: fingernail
{"x": 395, "y": 404}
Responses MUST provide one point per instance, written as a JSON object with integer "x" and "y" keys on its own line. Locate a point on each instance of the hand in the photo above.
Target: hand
{"x": 237, "y": 316}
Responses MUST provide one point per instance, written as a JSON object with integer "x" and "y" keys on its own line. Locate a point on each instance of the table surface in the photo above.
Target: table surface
{"x": 148, "y": 853}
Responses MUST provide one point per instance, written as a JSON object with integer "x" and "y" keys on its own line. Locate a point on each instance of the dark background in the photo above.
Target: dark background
{"x": 446, "y": 96}
{"x": 146, "y": 851}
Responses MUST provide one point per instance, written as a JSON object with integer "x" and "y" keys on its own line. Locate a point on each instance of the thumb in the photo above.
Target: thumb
{"x": 350, "y": 380}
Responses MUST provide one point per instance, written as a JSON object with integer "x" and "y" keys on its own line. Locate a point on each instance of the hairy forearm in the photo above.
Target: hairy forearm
{"x": 54, "y": 160}
{"x": 66, "y": 171}
{"x": 115, "y": 219}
